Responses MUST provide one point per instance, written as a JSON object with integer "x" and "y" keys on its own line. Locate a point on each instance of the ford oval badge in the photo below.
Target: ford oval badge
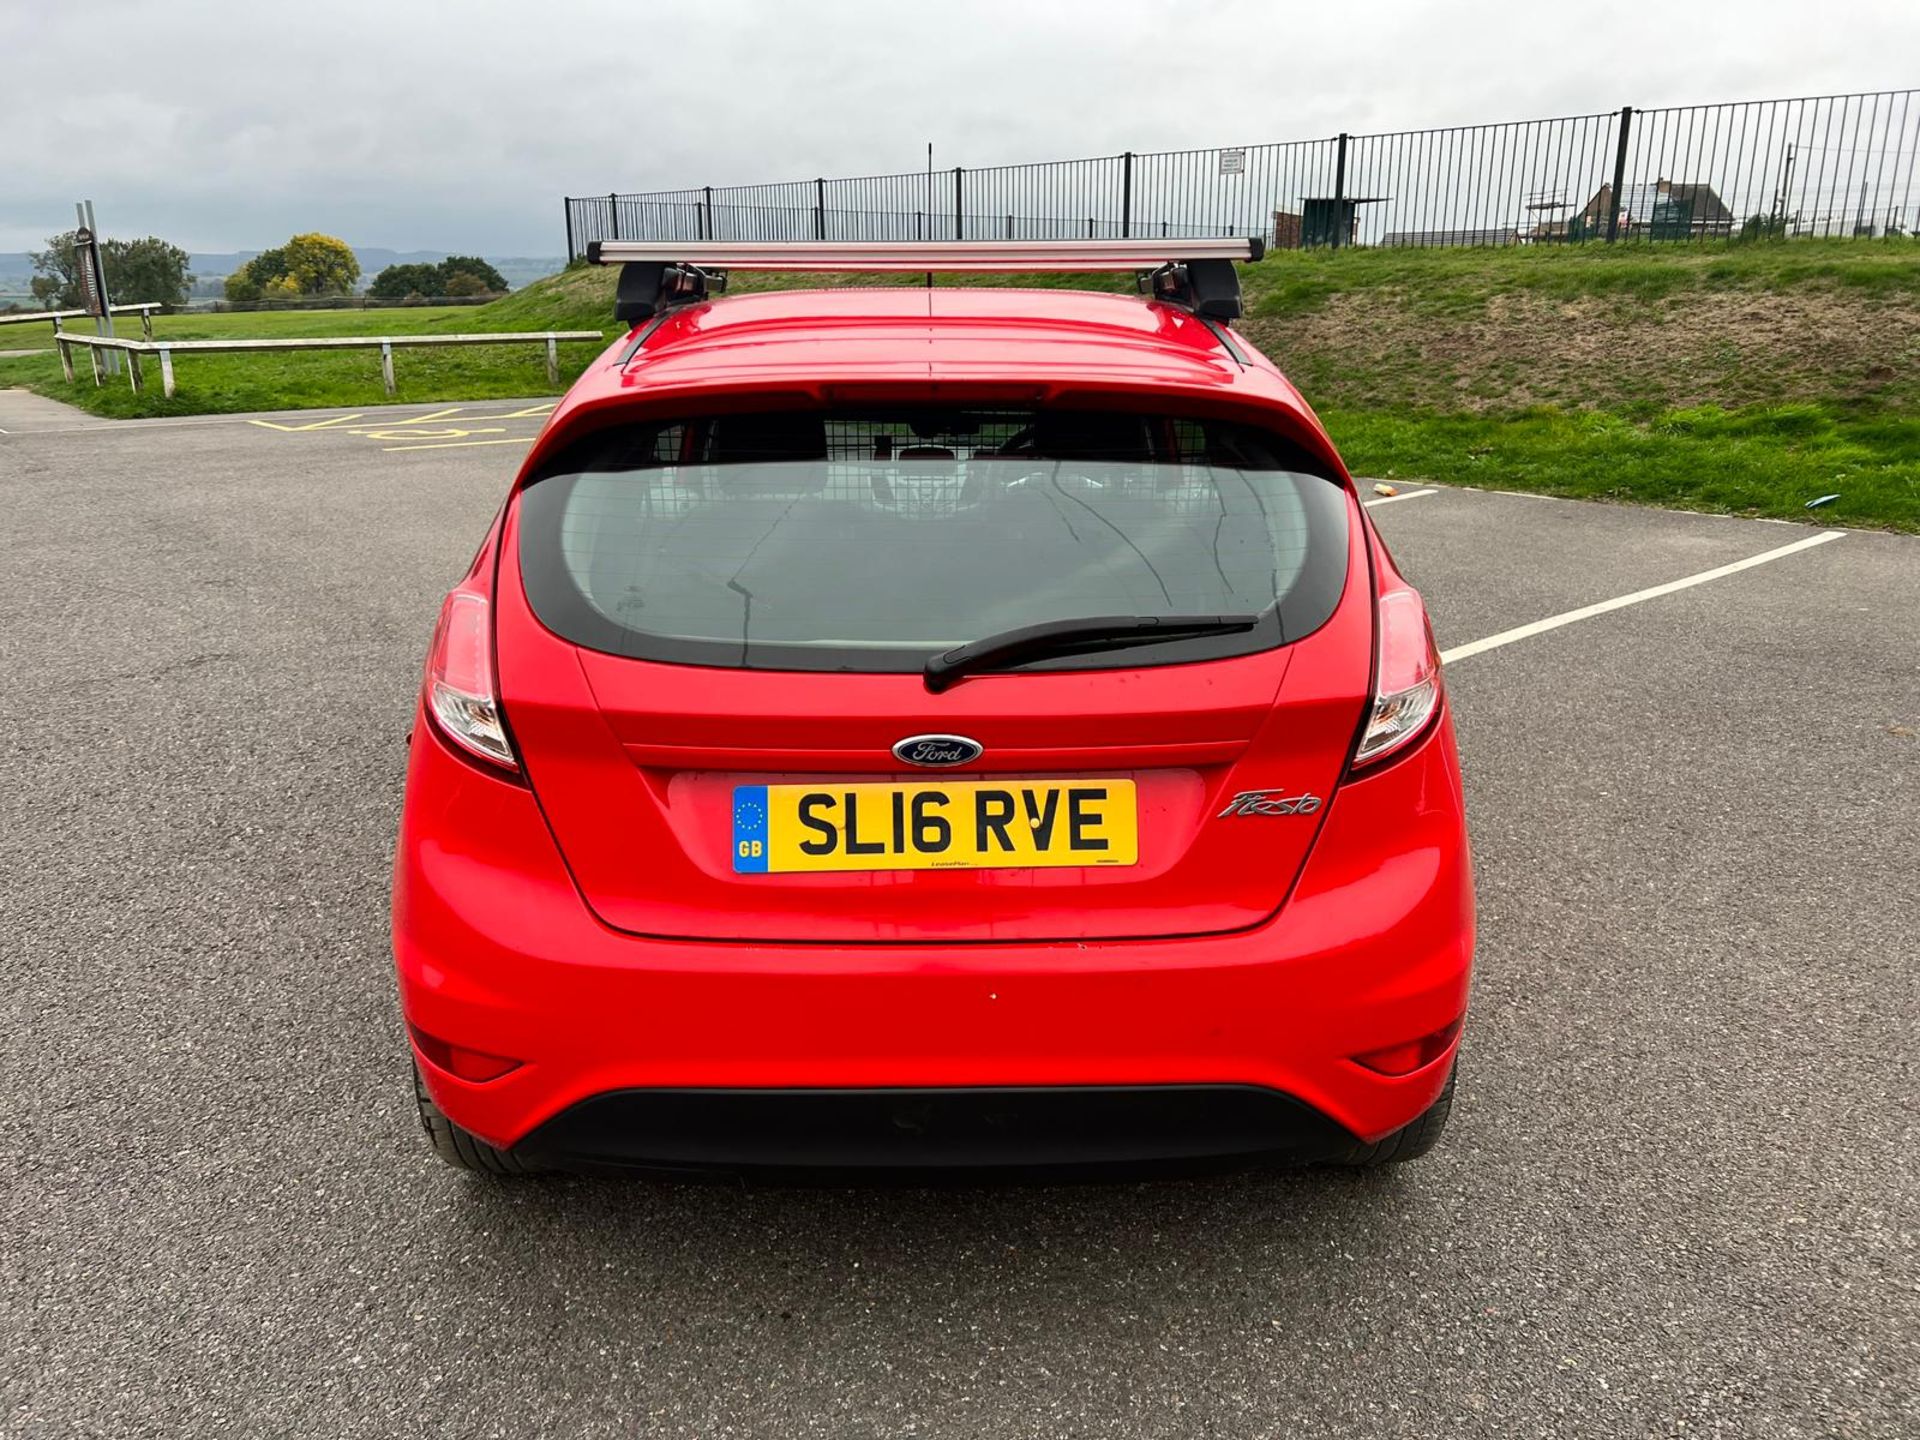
{"x": 937, "y": 751}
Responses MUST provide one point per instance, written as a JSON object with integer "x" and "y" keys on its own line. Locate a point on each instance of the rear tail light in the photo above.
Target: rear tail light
{"x": 461, "y": 693}
{"x": 1406, "y": 684}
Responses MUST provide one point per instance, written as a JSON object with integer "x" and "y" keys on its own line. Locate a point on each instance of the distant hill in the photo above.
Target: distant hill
{"x": 211, "y": 266}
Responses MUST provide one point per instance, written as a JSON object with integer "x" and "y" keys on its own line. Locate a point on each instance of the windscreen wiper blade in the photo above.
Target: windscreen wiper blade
{"x": 1073, "y": 637}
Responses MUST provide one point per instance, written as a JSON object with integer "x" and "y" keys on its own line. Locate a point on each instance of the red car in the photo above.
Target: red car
{"x": 896, "y": 728}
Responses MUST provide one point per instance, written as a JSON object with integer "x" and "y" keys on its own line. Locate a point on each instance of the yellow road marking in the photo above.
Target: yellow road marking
{"x": 410, "y": 432}
{"x": 537, "y": 411}
{"x": 317, "y": 425}
{"x": 462, "y": 444}
{"x": 408, "y": 428}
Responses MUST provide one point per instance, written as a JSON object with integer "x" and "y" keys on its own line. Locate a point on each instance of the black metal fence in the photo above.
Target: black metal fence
{"x": 1834, "y": 165}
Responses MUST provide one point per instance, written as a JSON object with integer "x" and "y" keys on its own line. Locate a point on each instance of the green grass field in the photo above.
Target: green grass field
{"x": 1742, "y": 378}
{"x": 1763, "y": 460}
{"x": 289, "y": 380}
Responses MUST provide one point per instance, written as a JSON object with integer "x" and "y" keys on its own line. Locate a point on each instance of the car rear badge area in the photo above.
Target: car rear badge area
{"x": 1270, "y": 802}
{"x": 937, "y": 752}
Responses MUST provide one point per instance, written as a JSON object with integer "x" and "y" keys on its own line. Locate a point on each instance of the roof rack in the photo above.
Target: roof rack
{"x": 657, "y": 274}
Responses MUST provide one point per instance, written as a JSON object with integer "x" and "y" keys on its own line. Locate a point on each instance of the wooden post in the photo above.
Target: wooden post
{"x": 146, "y": 327}
{"x": 166, "y": 371}
{"x": 93, "y": 354}
{"x": 386, "y": 365}
{"x": 553, "y": 361}
{"x": 66, "y": 356}
{"x": 134, "y": 377}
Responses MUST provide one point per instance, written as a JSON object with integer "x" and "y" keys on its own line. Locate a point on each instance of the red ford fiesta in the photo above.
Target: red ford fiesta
{"x": 897, "y": 728}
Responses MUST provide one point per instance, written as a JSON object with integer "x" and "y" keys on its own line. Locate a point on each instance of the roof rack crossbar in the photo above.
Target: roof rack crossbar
{"x": 657, "y": 274}
{"x": 914, "y": 256}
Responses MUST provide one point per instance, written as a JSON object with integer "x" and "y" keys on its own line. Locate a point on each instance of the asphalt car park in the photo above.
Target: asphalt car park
{"x": 1678, "y": 1194}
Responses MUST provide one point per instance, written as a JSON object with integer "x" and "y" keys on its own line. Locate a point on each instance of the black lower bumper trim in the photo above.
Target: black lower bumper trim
{"x": 1107, "y": 1128}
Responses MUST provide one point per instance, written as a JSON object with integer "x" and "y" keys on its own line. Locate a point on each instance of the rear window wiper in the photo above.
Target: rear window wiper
{"x": 1073, "y": 637}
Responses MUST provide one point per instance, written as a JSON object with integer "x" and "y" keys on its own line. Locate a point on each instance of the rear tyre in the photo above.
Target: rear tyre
{"x": 457, "y": 1147}
{"x": 1411, "y": 1140}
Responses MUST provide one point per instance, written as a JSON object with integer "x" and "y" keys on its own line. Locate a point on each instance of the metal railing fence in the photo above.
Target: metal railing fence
{"x": 1834, "y": 165}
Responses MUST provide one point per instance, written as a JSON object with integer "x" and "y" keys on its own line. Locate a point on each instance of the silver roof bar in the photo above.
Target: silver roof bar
{"x": 915, "y": 255}
{"x": 656, "y": 275}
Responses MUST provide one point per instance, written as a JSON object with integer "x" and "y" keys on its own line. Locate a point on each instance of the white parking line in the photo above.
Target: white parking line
{"x": 1403, "y": 495}
{"x": 1587, "y": 612}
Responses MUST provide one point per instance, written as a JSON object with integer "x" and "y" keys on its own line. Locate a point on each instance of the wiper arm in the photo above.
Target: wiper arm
{"x": 1073, "y": 637}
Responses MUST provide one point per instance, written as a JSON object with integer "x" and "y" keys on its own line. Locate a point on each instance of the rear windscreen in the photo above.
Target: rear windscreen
{"x": 871, "y": 539}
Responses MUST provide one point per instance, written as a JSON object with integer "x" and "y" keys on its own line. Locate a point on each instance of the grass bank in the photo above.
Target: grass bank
{"x": 1748, "y": 378}
{"x": 1745, "y": 378}
{"x": 1762, "y": 460}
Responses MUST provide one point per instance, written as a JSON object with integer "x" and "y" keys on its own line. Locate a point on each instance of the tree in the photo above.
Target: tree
{"x": 456, "y": 275}
{"x": 310, "y": 264}
{"x": 250, "y": 281}
{"x": 320, "y": 265}
{"x": 492, "y": 282}
{"x": 146, "y": 269}
{"x": 396, "y": 282}
{"x": 137, "y": 270}
{"x": 56, "y": 274}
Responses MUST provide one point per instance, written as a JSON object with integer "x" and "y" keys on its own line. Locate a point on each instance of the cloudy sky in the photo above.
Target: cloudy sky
{"x": 228, "y": 124}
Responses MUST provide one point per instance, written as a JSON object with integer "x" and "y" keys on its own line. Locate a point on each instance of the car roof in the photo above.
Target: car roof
{"x": 967, "y": 336}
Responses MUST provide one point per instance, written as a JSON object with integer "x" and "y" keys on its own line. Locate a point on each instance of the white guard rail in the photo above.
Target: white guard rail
{"x": 145, "y": 307}
{"x": 385, "y": 344}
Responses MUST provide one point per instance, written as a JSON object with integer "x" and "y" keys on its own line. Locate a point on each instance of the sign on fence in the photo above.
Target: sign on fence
{"x": 1234, "y": 161}
{"x": 93, "y": 280}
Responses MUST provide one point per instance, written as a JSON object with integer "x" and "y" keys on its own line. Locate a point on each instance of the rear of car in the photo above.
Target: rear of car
{"x": 900, "y": 728}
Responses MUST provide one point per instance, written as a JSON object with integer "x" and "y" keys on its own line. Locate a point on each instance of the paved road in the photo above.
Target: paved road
{"x": 1678, "y": 1197}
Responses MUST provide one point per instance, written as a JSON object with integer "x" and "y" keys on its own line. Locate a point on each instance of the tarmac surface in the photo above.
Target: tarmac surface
{"x": 1679, "y": 1196}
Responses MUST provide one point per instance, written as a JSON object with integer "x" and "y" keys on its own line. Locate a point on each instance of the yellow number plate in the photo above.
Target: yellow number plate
{"x": 960, "y": 825}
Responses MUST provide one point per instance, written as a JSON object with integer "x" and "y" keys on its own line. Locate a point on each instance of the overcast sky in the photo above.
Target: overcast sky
{"x": 230, "y": 124}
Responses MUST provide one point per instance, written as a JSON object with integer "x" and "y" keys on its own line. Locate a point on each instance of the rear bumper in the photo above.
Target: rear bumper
{"x": 1245, "y": 1040}
{"x": 1075, "y": 1128}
